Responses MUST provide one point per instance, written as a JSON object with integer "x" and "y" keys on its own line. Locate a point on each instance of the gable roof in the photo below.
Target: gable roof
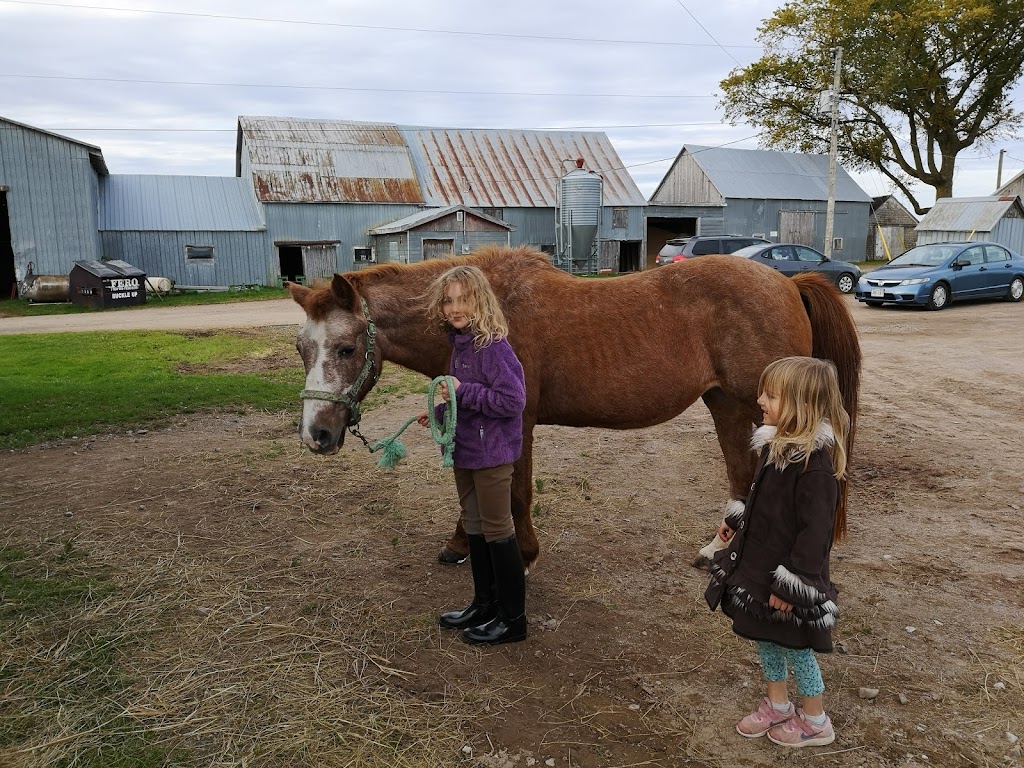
{"x": 431, "y": 214}
{"x": 148, "y": 203}
{"x": 767, "y": 175}
{"x": 1014, "y": 186}
{"x": 299, "y": 160}
{"x": 970, "y": 214}
{"x": 95, "y": 153}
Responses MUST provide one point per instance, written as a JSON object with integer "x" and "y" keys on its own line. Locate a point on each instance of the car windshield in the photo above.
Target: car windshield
{"x": 925, "y": 256}
{"x": 748, "y": 251}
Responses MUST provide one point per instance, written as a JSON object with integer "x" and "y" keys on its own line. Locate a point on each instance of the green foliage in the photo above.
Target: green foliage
{"x": 59, "y": 385}
{"x": 922, "y": 80}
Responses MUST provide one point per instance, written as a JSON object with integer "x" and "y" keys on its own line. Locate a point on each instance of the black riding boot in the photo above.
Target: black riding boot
{"x": 509, "y": 626}
{"x": 483, "y": 608}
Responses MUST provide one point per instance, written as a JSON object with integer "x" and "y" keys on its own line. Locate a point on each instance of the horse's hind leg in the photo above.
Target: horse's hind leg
{"x": 733, "y": 421}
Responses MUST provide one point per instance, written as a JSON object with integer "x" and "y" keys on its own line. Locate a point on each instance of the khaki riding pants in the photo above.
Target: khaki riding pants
{"x": 486, "y": 499}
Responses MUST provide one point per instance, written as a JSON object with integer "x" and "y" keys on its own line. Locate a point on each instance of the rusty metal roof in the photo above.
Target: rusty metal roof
{"x": 298, "y": 160}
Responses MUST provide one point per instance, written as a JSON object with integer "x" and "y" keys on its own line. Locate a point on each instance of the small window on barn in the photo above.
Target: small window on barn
{"x": 202, "y": 254}
{"x": 494, "y": 213}
{"x": 362, "y": 254}
{"x": 548, "y": 248}
{"x": 620, "y": 218}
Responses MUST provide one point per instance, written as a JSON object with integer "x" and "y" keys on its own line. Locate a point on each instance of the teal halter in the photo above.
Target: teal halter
{"x": 350, "y": 397}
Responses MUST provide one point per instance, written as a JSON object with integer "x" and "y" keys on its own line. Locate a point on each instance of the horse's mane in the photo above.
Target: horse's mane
{"x": 497, "y": 261}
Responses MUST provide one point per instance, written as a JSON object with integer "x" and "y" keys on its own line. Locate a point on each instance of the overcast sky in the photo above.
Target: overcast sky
{"x": 158, "y": 85}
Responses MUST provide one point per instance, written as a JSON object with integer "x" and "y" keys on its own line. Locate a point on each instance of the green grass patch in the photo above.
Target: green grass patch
{"x": 60, "y": 385}
{"x": 22, "y": 308}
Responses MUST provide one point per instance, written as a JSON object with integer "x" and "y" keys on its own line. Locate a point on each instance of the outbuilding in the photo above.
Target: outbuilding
{"x": 960, "y": 219}
{"x": 780, "y": 196}
{"x": 891, "y": 230}
{"x": 437, "y": 234}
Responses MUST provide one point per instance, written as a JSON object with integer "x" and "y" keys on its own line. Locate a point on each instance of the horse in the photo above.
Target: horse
{"x": 620, "y": 353}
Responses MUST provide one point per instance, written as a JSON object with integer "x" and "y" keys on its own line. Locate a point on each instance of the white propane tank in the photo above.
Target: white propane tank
{"x": 158, "y": 285}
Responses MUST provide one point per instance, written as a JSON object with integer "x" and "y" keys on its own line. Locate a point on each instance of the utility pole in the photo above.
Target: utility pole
{"x": 999, "y": 171}
{"x": 830, "y": 211}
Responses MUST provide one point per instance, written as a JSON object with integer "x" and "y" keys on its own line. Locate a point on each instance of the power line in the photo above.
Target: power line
{"x": 363, "y": 129}
{"x": 373, "y": 27}
{"x": 706, "y": 32}
{"x": 349, "y": 87}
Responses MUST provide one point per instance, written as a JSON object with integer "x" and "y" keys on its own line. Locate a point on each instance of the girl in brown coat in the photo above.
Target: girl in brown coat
{"x": 773, "y": 579}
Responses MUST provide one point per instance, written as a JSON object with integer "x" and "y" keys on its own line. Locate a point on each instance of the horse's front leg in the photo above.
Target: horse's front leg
{"x": 457, "y": 548}
{"x": 733, "y": 422}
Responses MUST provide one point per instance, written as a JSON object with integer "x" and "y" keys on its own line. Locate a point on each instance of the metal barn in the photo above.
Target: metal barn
{"x": 781, "y": 196}
{"x": 437, "y": 234}
{"x": 334, "y": 182}
{"x": 199, "y": 231}
{"x": 962, "y": 219}
{"x": 49, "y": 190}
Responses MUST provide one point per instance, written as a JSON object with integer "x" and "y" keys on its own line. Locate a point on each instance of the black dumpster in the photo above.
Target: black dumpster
{"x": 103, "y": 284}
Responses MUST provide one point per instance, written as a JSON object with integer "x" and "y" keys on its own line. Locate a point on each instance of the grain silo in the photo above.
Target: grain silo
{"x": 578, "y": 214}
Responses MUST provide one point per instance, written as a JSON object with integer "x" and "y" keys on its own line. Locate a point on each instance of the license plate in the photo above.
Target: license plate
{"x": 878, "y": 293}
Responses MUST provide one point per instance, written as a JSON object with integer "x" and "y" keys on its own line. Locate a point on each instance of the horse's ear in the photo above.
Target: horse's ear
{"x": 298, "y": 292}
{"x": 344, "y": 293}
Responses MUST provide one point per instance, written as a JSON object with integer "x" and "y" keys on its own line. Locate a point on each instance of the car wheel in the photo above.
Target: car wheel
{"x": 939, "y": 298}
{"x": 874, "y": 304}
{"x": 845, "y": 283}
{"x": 1016, "y": 289}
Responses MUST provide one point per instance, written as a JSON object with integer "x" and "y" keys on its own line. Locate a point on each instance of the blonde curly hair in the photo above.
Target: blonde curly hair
{"x": 487, "y": 321}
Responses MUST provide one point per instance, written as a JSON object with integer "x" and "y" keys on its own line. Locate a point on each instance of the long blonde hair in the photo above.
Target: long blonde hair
{"x": 487, "y": 322}
{"x": 809, "y": 396}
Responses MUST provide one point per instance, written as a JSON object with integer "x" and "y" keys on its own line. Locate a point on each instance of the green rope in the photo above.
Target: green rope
{"x": 443, "y": 434}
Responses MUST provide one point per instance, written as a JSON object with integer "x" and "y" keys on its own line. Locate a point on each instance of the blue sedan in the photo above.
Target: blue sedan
{"x": 936, "y": 274}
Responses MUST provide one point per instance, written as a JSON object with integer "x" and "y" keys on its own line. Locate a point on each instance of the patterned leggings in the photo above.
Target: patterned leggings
{"x": 804, "y": 665}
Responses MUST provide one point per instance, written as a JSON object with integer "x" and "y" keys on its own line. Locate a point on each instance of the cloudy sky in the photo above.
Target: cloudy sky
{"x": 158, "y": 85}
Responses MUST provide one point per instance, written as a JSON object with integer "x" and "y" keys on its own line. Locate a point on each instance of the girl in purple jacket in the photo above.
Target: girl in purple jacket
{"x": 490, "y": 392}
{"x": 773, "y": 580}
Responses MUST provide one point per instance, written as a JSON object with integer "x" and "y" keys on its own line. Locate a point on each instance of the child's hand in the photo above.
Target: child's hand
{"x": 779, "y": 604}
{"x": 423, "y": 419}
{"x": 442, "y": 388}
{"x": 725, "y": 532}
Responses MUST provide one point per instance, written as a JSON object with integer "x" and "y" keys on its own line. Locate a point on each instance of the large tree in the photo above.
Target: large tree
{"x": 922, "y": 80}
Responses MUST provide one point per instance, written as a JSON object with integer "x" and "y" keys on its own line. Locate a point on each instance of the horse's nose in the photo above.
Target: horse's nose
{"x": 323, "y": 439}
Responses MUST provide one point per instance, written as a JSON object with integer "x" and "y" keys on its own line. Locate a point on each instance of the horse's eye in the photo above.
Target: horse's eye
{"x": 346, "y": 351}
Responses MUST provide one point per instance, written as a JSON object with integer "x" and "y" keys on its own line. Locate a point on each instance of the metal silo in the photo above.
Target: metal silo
{"x": 579, "y": 213}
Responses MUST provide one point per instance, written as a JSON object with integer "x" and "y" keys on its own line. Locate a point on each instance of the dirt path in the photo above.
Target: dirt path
{"x": 624, "y": 665}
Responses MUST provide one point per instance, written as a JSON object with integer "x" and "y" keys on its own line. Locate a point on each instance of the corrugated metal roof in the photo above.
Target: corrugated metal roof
{"x": 486, "y": 168}
{"x": 328, "y": 161}
{"x": 764, "y": 174}
{"x": 148, "y": 203}
{"x": 296, "y": 160}
{"x": 969, "y": 214}
{"x": 422, "y": 217}
{"x": 112, "y": 269}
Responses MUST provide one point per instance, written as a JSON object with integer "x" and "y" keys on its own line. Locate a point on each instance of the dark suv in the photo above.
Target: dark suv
{"x": 682, "y": 248}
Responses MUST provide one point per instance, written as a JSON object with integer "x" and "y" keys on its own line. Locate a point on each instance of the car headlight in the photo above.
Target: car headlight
{"x": 915, "y": 281}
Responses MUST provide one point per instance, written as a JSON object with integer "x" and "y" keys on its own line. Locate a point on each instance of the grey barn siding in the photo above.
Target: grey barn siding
{"x": 52, "y": 199}
{"x": 240, "y": 258}
{"x": 762, "y": 218}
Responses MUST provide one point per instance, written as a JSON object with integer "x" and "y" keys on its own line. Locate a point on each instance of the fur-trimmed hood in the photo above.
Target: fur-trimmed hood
{"x": 824, "y": 437}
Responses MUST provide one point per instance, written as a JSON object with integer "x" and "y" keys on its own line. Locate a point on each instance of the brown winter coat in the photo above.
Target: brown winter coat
{"x": 781, "y": 546}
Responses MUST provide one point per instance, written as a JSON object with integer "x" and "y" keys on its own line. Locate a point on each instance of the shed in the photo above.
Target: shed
{"x": 339, "y": 180}
{"x": 102, "y": 284}
{"x": 1014, "y": 186}
{"x": 891, "y": 230}
{"x": 958, "y": 219}
{"x": 438, "y": 233}
{"x": 781, "y": 196}
{"x": 48, "y": 199}
{"x": 199, "y": 231}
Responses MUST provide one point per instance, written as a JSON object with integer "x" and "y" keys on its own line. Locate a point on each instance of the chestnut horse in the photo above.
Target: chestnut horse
{"x": 620, "y": 353}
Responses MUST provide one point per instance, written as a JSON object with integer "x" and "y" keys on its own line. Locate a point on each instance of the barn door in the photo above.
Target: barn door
{"x": 438, "y": 249}
{"x": 893, "y": 244}
{"x": 319, "y": 261}
{"x": 796, "y": 227}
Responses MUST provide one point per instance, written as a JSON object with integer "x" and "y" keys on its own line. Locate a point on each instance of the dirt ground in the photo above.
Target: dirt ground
{"x": 624, "y": 666}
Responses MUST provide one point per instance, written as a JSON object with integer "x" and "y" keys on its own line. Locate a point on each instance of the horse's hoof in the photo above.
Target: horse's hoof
{"x": 701, "y": 563}
{"x": 448, "y": 557}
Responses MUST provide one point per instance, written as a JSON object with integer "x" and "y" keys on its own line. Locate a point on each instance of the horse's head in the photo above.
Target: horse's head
{"x": 338, "y": 347}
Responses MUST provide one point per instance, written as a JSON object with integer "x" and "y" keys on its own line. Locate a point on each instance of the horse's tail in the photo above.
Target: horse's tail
{"x": 834, "y": 337}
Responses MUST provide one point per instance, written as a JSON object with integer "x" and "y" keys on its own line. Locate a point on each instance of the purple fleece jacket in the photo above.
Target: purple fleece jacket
{"x": 490, "y": 398}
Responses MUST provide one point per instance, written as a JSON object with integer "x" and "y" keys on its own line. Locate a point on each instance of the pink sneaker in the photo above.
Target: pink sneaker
{"x": 758, "y": 722}
{"x": 801, "y": 732}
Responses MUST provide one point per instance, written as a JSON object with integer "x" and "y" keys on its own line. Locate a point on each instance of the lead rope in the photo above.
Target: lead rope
{"x": 442, "y": 433}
